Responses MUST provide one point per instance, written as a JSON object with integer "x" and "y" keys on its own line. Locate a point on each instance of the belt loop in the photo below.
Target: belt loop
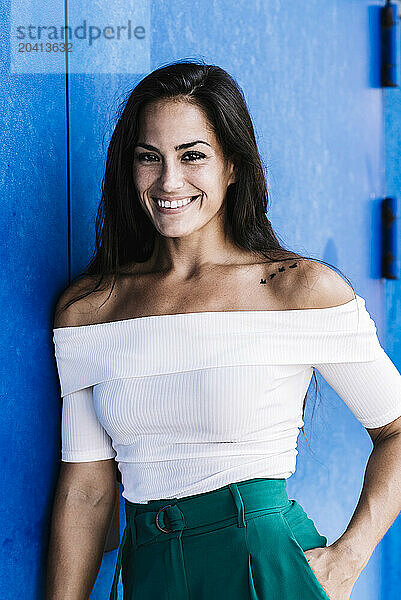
{"x": 238, "y": 503}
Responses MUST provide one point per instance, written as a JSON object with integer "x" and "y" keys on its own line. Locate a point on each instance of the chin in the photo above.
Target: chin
{"x": 172, "y": 231}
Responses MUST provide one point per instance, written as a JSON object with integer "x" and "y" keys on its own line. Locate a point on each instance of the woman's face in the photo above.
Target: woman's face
{"x": 166, "y": 170}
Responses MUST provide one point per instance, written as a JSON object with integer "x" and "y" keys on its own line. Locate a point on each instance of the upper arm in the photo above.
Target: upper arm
{"x": 83, "y": 437}
{"x": 372, "y": 390}
{"x": 88, "y": 466}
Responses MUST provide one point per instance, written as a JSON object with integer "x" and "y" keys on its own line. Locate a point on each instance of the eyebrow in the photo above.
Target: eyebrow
{"x": 180, "y": 147}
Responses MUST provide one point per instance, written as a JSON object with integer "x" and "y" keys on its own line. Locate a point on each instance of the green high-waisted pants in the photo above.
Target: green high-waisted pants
{"x": 243, "y": 541}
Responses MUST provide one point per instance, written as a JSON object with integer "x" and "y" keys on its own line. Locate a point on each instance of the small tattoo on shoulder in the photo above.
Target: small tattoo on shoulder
{"x": 280, "y": 270}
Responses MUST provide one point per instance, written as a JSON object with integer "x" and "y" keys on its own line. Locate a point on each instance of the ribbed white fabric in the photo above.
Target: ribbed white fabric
{"x": 190, "y": 402}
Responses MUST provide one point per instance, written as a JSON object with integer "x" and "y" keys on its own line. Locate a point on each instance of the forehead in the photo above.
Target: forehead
{"x": 179, "y": 116}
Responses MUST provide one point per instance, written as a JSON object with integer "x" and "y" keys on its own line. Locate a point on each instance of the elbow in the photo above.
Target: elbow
{"x": 90, "y": 497}
{"x": 380, "y": 434}
{"x": 89, "y": 484}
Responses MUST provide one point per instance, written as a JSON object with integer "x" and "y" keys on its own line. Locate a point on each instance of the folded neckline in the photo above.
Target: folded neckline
{"x": 209, "y": 312}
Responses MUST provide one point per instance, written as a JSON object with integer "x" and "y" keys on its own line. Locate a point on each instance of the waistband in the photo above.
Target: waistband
{"x": 255, "y": 495}
{"x": 175, "y": 517}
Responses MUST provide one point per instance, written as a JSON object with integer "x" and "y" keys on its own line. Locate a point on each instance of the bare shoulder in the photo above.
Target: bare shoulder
{"x": 80, "y": 302}
{"x": 320, "y": 286}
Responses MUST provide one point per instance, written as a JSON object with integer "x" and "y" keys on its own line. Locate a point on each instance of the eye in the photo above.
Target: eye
{"x": 143, "y": 157}
{"x": 148, "y": 157}
{"x": 195, "y": 155}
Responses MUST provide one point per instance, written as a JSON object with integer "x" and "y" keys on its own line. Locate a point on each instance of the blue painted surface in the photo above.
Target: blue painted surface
{"x": 391, "y": 566}
{"x": 310, "y": 77}
{"x": 33, "y": 263}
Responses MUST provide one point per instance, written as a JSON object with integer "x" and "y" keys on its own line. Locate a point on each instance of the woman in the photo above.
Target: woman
{"x": 189, "y": 365}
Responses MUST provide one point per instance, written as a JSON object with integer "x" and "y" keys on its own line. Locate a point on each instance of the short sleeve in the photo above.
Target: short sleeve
{"x": 371, "y": 389}
{"x": 83, "y": 438}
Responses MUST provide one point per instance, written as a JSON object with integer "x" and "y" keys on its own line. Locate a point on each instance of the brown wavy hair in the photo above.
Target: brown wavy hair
{"x": 125, "y": 234}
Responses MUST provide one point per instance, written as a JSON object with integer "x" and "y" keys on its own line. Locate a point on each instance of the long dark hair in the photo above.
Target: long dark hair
{"x": 124, "y": 233}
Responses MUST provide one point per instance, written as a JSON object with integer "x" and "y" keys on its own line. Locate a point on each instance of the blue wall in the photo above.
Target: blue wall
{"x": 392, "y": 122}
{"x": 33, "y": 242}
{"x": 310, "y": 76}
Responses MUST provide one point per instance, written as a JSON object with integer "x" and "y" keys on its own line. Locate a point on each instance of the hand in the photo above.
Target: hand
{"x": 334, "y": 570}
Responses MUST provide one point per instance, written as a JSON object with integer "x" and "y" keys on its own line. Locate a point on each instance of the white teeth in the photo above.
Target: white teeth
{"x": 174, "y": 203}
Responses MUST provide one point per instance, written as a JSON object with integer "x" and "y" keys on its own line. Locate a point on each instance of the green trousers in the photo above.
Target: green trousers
{"x": 243, "y": 541}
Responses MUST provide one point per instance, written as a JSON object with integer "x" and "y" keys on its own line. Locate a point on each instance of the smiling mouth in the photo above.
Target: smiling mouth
{"x": 175, "y": 204}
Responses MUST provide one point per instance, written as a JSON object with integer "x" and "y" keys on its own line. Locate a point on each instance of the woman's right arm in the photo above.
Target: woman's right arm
{"x": 85, "y": 495}
{"x": 82, "y": 511}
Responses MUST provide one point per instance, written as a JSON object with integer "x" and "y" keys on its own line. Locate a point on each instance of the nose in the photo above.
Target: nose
{"x": 171, "y": 178}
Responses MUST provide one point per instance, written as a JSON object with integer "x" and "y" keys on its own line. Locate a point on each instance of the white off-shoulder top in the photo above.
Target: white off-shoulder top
{"x": 190, "y": 402}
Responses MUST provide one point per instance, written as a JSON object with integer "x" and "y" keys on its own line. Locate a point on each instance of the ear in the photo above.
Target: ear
{"x": 232, "y": 170}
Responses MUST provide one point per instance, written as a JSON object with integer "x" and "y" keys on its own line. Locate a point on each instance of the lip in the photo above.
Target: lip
{"x": 178, "y": 209}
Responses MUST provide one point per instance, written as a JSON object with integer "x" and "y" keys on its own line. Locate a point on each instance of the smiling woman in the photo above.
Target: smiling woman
{"x": 185, "y": 351}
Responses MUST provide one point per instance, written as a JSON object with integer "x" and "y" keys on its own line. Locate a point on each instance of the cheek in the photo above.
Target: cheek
{"x": 143, "y": 178}
{"x": 202, "y": 177}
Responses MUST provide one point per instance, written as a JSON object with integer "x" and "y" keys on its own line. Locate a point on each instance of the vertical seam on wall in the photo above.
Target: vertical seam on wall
{"x": 68, "y": 165}
{"x": 385, "y": 314}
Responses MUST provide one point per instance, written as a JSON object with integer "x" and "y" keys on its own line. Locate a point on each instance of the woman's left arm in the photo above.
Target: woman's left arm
{"x": 339, "y": 565}
{"x": 380, "y": 499}
{"x": 372, "y": 390}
